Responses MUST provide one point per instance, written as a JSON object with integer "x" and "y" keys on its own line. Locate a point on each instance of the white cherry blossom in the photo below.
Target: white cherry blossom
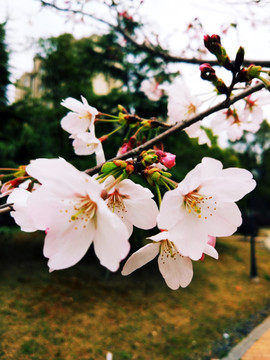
{"x": 245, "y": 115}
{"x": 86, "y": 143}
{"x": 21, "y": 214}
{"x": 81, "y": 118}
{"x": 182, "y": 105}
{"x": 204, "y": 204}
{"x": 69, "y": 207}
{"x": 133, "y": 203}
{"x": 175, "y": 268}
{"x": 151, "y": 88}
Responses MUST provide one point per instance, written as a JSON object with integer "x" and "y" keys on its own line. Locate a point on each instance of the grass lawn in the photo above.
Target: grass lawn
{"x": 83, "y": 312}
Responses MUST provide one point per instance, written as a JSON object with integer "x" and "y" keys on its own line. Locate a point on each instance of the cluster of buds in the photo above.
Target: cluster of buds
{"x": 155, "y": 175}
{"x": 213, "y": 44}
{"x": 253, "y": 72}
{"x": 18, "y": 176}
{"x": 240, "y": 74}
{"x": 149, "y": 157}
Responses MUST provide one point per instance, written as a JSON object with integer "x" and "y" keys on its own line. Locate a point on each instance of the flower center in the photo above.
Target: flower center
{"x": 116, "y": 204}
{"x": 85, "y": 209}
{"x": 87, "y": 115}
{"x": 191, "y": 109}
{"x": 250, "y": 103}
{"x": 168, "y": 249}
{"x": 199, "y": 205}
{"x": 232, "y": 113}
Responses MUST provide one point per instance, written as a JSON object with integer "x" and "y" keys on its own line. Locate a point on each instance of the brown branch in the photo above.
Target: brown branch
{"x": 180, "y": 126}
{"x": 150, "y": 49}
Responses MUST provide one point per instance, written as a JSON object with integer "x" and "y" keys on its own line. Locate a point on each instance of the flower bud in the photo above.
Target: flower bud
{"x": 239, "y": 58}
{"x": 120, "y": 163}
{"x": 254, "y": 71}
{"x": 166, "y": 158}
{"x": 108, "y": 167}
{"x": 221, "y": 87}
{"x": 213, "y": 44}
{"x": 207, "y": 72}
{"x": 129, "y": 169}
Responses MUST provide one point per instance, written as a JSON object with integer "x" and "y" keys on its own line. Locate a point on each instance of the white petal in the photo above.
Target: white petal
{"x": 134, "y": 191}
{"x": 171, "y": 210}
{"x": 177, "y": 270}
{"x": 211, "y": 251}
{"x": 85, "y": 143}
{"x": 100, "y": 156}
{"x": 21, "y": 215}
{"x": 66, "y": 246}
{"x": 111, "y": 240}
{"x": 73, "y": 104}
{"x": 142, "y": 213}
{"x": 74, "y": 124}
{"x": 190, "y": 236}
{"x": 163, "y": 235}
{"x": 140, "y": 258}
{"x": 226, "y": 220}
{"x": 59, "y": 176}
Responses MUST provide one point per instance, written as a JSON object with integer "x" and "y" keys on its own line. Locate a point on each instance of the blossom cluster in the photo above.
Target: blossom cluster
{"x": 76, "y": 209}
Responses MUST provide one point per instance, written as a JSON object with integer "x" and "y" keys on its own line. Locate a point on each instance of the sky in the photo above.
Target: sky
{"x": 27, "y": 22}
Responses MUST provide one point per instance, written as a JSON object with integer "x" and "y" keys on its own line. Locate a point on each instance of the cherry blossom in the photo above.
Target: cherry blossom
{"x": 69, "y": 207}
{"x": 21, "y": 214}
{"x": 183, "y": 106}
{"x": 150, "y": 87}
{"x": 204, "y": 204}
{"x": 86, "y": 144}
{"x": 175, "y": 268}
{"x": 246, "y": 115}
{"x": 81, "y": 118}
{"x": 133, "y": 203}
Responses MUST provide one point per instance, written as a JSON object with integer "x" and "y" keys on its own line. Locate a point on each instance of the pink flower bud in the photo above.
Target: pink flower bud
{"x": 166, "y": 158}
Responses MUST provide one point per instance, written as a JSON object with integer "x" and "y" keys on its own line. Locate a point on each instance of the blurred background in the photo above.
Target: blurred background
{"x": 51, "y": 50}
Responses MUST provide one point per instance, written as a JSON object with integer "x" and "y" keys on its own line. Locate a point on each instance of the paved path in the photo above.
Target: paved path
{"x": 256, "y": 346}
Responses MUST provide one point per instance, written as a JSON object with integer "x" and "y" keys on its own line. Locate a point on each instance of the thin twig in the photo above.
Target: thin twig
{"x": 150, "y": 49}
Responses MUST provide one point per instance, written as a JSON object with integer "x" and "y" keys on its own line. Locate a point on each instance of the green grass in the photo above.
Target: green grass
{"x": 82, "y": 312}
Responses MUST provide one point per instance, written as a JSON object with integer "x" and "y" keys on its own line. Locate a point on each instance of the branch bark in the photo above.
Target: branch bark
{"x": 150, "y": 48}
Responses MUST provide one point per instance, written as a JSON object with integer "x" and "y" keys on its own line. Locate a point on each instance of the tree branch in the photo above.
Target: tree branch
{"x": 5, "y": 208}
{"x": 150, "y": 49}
{"x": 180, "y": 126}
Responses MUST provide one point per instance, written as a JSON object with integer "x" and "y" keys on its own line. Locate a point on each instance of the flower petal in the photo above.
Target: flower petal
{"x": 140, "y": 258}
{"x": 210, "y": 251}
{"x": 111, "y": 240}
{"x": 21, "y": 215}
{"x": 66, "y": 247}
{"x": 142, "y": 213}
{"x": 176, "y": 270}
{"x": 171, "y": 210}
{"x": 74, "y": 124}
